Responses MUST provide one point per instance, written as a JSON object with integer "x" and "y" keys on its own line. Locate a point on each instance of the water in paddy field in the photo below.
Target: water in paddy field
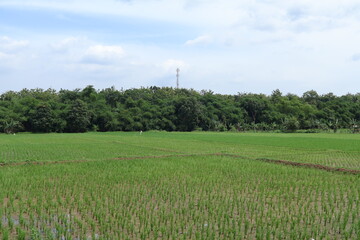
{"x": 5, "y": 222}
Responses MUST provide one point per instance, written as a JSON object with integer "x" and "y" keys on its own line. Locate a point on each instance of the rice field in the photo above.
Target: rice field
{"x": 160, "y": 185}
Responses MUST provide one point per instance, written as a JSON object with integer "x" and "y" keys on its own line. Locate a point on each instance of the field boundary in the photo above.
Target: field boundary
{"x": 4, "y": 164}
{"x": 275, "y": 161}
{"x": 298, "y": 164}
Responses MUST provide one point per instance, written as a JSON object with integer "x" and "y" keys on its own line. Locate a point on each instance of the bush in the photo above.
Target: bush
{"x": 290, "y": 124}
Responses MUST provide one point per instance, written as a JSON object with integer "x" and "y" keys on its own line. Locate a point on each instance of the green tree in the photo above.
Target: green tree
{"x": 43, "y": 119}
{"x": 255, "y": 105}
{"x": 77, "y": 117}
{"x": 189, "y": 113}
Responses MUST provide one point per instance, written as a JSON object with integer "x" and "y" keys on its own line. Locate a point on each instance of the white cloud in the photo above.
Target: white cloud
{"x": 9, "y": 45}
{"x": 67, "y": 43}
{"x": 170, "y": 65}
{"x": 14, "y": 54}
{"x": 103, "y": 55}
{"x": 199, "y": 40}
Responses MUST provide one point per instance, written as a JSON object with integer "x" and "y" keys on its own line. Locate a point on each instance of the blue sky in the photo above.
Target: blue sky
{"x": 227, "y": 46}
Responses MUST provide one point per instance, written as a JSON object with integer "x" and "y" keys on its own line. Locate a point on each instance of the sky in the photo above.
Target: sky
{"x": 226, "y": 46}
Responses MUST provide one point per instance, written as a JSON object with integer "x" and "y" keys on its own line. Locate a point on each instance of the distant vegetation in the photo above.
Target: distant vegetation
{"x": 170, "y": 109}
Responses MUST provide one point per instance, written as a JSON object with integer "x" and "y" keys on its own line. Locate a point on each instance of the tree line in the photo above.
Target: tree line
{"x": 171, "y": 109}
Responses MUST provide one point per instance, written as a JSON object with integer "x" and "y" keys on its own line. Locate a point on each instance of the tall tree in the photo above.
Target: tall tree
{"x": 189, "y": 113}
{"x": 43, "y": 119}
{"x": 254, "y": 104}
{"x": 77, "y": 117}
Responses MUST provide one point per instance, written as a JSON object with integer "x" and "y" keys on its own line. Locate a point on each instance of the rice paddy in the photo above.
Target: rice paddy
{"x": 160, "y": 185}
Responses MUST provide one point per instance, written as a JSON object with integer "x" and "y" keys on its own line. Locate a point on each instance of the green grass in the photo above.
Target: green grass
{"x": 175, "y": 196}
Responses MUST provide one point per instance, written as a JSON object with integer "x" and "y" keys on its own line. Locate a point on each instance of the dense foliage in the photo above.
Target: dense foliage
{"x": 170, "y": 109}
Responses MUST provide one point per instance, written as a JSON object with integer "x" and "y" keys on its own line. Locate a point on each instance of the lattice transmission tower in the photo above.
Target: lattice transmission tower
{"x": 177, "y": 77}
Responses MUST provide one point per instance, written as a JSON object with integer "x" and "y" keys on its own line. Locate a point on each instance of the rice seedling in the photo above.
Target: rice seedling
{"x": 176, "y": 196}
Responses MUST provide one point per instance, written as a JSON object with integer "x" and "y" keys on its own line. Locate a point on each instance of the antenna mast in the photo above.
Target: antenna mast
{"x": 177, "y": 77}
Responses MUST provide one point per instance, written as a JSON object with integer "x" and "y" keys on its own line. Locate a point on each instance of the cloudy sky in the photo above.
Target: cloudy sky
{"x": 227, "y": 46}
